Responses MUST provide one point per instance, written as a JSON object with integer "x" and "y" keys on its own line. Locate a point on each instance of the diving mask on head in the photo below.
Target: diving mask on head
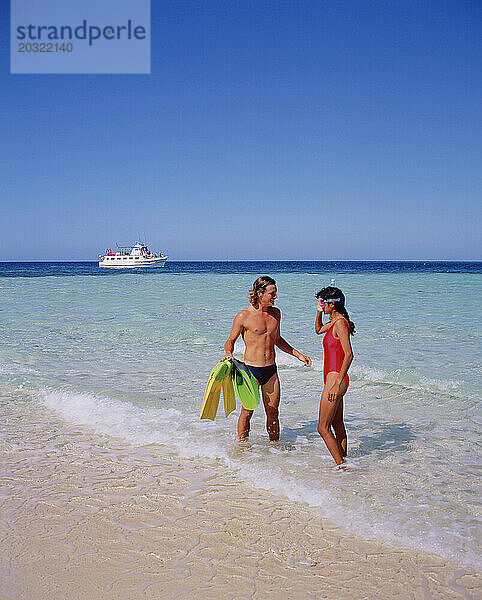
{"x": 321, "y": 301}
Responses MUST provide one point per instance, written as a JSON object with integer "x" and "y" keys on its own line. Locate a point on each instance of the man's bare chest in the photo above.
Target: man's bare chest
{"x": 262, "y": 325}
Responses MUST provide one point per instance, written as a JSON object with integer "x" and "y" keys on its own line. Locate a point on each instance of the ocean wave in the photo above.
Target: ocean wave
{"x": 404, "y": 378}
{"x": 16, "y": 369}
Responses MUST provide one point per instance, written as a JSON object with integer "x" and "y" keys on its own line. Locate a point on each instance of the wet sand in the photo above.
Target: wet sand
{"x": 86, "y": 516}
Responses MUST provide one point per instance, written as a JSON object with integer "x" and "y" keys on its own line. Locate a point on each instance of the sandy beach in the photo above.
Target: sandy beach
{"x": 145, "y": 524}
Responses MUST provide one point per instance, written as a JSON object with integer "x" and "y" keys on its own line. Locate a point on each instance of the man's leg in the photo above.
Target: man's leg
{"x": 243, "y": 423}
{"x": 271, "y": 398}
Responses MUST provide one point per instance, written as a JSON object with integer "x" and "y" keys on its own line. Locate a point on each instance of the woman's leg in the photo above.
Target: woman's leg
{"x": 339, "y": 429}
{"x": 328, "y": 410}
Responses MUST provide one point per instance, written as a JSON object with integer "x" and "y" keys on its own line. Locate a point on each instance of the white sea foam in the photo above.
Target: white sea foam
{"x": 325, "y": 491}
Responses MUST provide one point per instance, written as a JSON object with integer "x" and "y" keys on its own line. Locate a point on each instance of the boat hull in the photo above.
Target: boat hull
{"x": 144, "y": 263}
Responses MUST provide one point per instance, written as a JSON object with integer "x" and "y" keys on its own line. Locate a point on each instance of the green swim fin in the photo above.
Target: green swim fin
{"x": 245, "y": 385}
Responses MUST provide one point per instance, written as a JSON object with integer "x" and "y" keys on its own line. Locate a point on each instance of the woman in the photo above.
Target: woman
{"x": 338, "y": 355}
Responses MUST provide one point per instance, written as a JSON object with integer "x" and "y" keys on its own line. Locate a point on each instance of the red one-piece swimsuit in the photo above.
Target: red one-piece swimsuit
{"x": 333, "y": 354}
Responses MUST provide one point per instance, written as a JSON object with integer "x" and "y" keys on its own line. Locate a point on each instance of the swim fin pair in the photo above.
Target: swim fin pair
{"x": 229, "y": 375}
{"x": 219, "y": 379}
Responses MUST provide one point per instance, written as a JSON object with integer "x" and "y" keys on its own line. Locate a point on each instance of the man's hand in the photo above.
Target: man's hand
{"x": 304, "y": 359}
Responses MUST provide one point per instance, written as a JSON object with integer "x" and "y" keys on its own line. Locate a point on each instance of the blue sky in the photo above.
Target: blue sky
{"x": 266, "y": 130}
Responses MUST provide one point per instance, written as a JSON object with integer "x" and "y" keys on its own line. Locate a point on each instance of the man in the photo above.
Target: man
{"x": 259, "y": 326}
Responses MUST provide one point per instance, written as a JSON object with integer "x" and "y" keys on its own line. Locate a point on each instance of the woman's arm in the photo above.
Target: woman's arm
{"x": 319, "y": 327}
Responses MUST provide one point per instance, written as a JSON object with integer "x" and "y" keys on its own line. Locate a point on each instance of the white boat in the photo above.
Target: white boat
{"x": 129, "y": 257}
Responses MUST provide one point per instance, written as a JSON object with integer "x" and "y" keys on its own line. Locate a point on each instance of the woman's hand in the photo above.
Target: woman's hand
{"x": 334, "y": 392}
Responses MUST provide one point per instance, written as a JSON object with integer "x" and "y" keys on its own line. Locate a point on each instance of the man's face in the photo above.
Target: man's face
{"x": 268, "y": 297}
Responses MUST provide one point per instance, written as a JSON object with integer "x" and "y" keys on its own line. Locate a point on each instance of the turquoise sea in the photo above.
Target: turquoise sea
{"x": 127, "y": 354}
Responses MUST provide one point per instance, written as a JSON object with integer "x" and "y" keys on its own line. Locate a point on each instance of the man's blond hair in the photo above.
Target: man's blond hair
{"x": 259, "y": 286}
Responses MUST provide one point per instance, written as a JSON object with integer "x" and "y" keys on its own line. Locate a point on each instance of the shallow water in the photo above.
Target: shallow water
{"x": 128, "y": 355}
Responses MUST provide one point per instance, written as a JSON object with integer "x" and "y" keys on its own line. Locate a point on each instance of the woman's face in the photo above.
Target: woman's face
{"x": 327, "y": 306}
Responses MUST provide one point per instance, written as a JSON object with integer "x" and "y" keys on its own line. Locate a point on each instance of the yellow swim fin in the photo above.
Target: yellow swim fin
{"x": 228, "y": 395}
{"x": 210, "y": 403}
{"x": 212, "y": 394}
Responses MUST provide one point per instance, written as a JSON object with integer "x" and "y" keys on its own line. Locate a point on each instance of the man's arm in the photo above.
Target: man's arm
{"x": 283, "y": 345}
{"x": 235, "y": 332}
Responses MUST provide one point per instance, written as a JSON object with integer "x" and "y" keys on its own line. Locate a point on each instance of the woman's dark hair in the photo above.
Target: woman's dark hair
{"x": 259, "y": 286}
{"x": 339, "y": 299}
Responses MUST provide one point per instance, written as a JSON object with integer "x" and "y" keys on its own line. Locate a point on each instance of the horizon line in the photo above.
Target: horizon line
{"x": 394, "y": 260}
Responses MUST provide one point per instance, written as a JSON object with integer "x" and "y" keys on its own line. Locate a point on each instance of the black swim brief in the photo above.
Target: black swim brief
{"x": 263, "y": 374}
